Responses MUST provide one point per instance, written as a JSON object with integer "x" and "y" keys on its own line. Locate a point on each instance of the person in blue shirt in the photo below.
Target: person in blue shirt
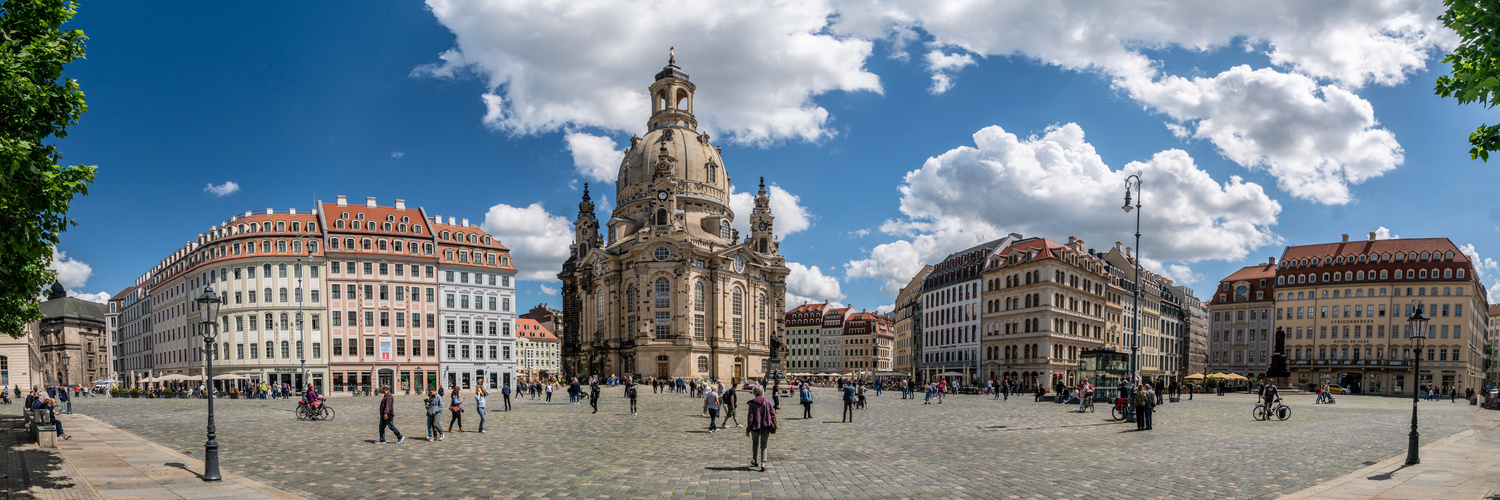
{"x": 49, "y": 404}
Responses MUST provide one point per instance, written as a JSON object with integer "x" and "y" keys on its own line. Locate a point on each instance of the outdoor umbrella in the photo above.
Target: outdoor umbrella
{"x": 1195, "y": 376}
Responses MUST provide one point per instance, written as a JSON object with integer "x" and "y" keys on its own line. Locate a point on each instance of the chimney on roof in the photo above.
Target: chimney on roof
{"x": 248, "y": 213}
{"x": 343, "y": 201}
{"x": 437, "y": 219}
{"x": 269, "y": 211}
{"x": 453, "y": 221}
{"x": 400, "y": 204}
{"x": 1372, "y": 235}
{"x": 1072, "y": 240}
{"x": 1272, "y": 262}
{"x": 1129, "y": 252}
{"x": 1119, "y": 246}
{"x": 1346, "y": 238}
{"x": 370, "y": 201}
{"x": 466, "y": 222}
{"x": 292, "y": 211}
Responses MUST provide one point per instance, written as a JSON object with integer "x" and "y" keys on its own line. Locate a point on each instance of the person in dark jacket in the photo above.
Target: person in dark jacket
{"x": 594, "y": 394}
{"x": 631, "y": 391}
{"x": 762, "y": 423}
{"x": 388, "y": 415}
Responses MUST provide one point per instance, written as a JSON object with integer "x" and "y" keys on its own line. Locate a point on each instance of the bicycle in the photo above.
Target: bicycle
{"x": 1276, "y": 409}
{"x": 1087, "y": 405}
{"x": 320, "y": 411}
{"x": 1119, "y": 411}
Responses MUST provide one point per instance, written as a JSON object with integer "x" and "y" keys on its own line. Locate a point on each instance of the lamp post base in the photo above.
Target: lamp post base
{"x": 1411, "y": 450}
{"x": 211, "y": 462}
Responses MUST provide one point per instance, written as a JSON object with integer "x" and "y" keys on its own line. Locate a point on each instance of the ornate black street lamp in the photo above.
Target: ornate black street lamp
{"x": 67, "y": 377}
{"x": 208, "y": 319}
{"x": 1418, "y": 322}
{"x": 1135, "y": 337}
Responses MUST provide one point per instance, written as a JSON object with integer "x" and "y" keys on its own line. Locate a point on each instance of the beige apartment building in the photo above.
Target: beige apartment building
{"x": 1344, "y": 308}
{"x": 1241, "y": 321}
{"x": 1044, "y": 303}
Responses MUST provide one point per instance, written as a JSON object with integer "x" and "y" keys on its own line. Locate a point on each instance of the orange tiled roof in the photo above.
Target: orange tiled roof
{"x": 530, "y": 329}
{"x": 1321, "y": 250}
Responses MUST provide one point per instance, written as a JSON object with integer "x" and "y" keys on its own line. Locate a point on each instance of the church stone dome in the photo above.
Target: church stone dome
{"x": 673, "y": 146}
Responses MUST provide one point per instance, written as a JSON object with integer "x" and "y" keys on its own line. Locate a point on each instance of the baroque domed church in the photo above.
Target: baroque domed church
{"x": 671, "y": 290}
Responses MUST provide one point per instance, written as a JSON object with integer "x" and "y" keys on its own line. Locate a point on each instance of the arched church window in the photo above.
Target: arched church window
{"x": 630, "y": 298}
{"x": 738, "y": 300}
{"x": 663, "y": 293}
{"x": 724, "y": 229}
{"x": 712, "y": 175}
{"x": 661, "y": 216}
{"x": 698, "y": 296}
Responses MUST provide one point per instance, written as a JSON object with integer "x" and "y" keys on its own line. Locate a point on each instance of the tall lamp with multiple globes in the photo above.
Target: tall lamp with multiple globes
{"x": 1418, "y": 322}
{"x": 208, "y": 319}
{"x": 1135, "y": 336}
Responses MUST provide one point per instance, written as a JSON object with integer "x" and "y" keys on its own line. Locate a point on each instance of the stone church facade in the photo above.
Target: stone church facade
{"x": 670, "y": 290}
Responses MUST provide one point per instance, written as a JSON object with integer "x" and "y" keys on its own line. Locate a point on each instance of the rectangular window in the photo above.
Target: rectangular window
{"x": 463, "y": 277}
{"x": 466, "y": 351}
{"x": 430, "y": 294}
{"x": 369, "y": 268}
{"x": 349, "y": 267}
{"x": 369, "y": 318}
{"x": 338, "y": 347}
{"x": 385, "y": 318}
{"x": 1458, "y": 310}
{"x": 253, "y": 351}
{"x": 505, "y": 328}
{"x": 370, "y": 346}
{"x": 400, "y": 347}
{"x": 505, "y": 304}
{"x": 463, "y": 302}
{"x": 464, "y": 327}
{"x": 317, "y": 349}
{"x": 452, "y": 325}
{"x": 338, "y": 320}
{"x": 384, "y": 269}
{"x": 431, "y": 344}
{"x": 430, "y": 322}
{"x": 369, "y": 292}
{"x": 317, "y": 321}
{"x": 400, "y": 318}
{"x": 492, "y": 303}
{"x": 451, "y": 351}
{"x": 239, "y": 351}
{"x": 313, "y": 293}
{"x": 399, "y": 269}
{"x": 400, "y": 293}
{"x": 505, "y": 351}
{"x": 239, "y": 323}
{"x": 429, "y": 275}
{"x": 494, "y": 328}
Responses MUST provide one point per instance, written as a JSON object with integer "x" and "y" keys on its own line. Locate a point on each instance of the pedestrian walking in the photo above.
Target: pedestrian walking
{"x": 727, "y": 403}
{"x": 849, "y": 400}
{"x": 548, "y": 388}
{"x": 1152, "y": 399}
{"x": 776, "y": 395}
{"x": 1138, "y": 399}
{"x": 711, "y": 408}
{"x": 479, "y": 406}
{"x": 505, "y": 396}
{"x": 630, "y": 392}
{"x": 762, "y": 420}
{"x": 573, "y": 391}
{"x": 807, "y": 401}
{"x": 67, "y": 401}
{"x": 594, "y": 395}
{"x": 388, "y": 415}
{"x": 456, "y": 407}
{"x": 434, "y": 404}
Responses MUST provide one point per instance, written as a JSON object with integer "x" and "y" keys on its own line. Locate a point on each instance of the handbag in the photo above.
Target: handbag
{"x": 773, "y": 422}
{"x": 455, "y": 408}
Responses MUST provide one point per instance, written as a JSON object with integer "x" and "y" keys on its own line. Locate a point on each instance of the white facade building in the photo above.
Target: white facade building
{"x": 477, "y": 314}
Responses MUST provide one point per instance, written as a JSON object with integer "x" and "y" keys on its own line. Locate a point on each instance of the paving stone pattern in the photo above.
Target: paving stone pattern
{"x": 967, "y": 447}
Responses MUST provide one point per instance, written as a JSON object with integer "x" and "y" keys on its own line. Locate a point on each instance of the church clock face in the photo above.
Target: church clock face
{"x": 661, "y": 195}
{"x": 763, "y": 226}
{"x": 739, "y": 263}
{"x": 598, "y": 268}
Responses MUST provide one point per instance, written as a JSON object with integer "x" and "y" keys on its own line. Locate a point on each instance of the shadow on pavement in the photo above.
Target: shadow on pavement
{"x": 25, "y": 466}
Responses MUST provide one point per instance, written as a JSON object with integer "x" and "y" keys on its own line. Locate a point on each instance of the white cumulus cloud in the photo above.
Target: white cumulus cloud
{"x": 1316, "y": 140}
{"x": 806, "y": 285}
{"x": 1384, "y": 233}
{"x": 758, "y": 65}
{"x": 791, "y": 216}
{"x": 595, "y": 157}
{"x": 538, "y": 240}
{"x": 73, "y": 274}
{"x": 225, "y": 189}
{"x": 943, "y": 66}
{"x": 547, "y": 290}
{"x": 1036, "y": 185}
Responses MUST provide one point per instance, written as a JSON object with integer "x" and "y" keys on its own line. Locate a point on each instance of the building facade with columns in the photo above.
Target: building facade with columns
{"x": 671, "y": 290}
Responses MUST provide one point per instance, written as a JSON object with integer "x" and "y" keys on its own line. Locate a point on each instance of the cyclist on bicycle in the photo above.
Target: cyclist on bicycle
{"x": 1085, "y": 394}
{"x": 312, "y": 397}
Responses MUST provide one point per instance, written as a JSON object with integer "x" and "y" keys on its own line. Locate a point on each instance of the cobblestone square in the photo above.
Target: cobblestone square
{"x": 967, "y": 447}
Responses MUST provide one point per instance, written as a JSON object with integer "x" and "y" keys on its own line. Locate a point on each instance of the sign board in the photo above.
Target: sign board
{"x": 385, "y": 349}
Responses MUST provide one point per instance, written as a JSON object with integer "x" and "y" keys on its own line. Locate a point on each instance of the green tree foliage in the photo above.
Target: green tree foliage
{"x": 36, "y": 103}
{"x": 1476, "y": 65}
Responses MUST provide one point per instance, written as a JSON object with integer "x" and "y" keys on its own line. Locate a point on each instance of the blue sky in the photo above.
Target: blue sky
{"x": 893, "y": 135}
